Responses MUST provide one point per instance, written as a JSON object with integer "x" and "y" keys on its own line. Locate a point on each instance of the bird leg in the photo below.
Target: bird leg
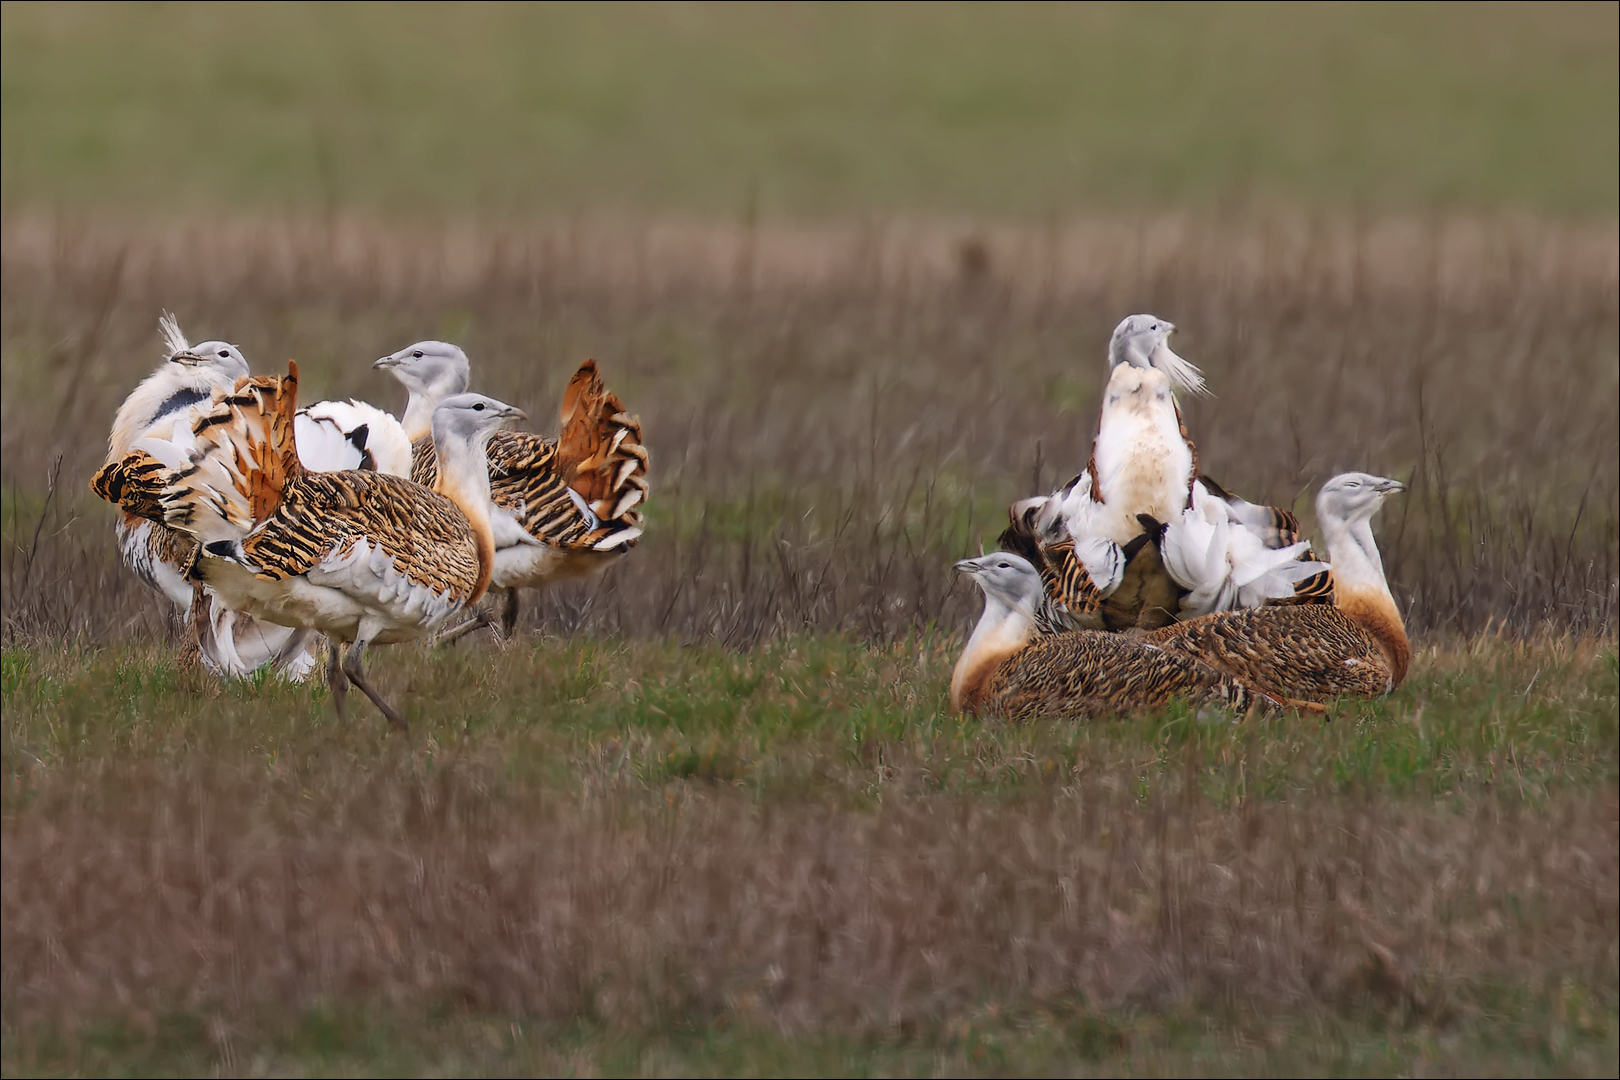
{"x": 335, "y": 679}
{"x": 480, "y": 618}
{"x": 357, "y": 675}
{"x": 509, "y": 613}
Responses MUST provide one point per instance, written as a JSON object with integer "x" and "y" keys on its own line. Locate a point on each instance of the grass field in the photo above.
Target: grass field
{"x": 636, "y": 857}
{"x": 709, "y": 814}
{"x": 1028, "y": 110}
{"x": 855, "y": 266}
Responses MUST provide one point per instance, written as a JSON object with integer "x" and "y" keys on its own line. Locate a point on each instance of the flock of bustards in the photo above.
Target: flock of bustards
{"x": 1140, "y": 581}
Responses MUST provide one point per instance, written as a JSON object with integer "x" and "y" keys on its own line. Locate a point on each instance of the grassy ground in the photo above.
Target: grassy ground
{"x": 619, "y": 857}
{"x": 1008, "y": 109}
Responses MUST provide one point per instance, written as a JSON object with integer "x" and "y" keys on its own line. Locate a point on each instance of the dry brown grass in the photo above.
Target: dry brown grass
{"x": 835, "y": 413}
{"x": 145, "y": 888}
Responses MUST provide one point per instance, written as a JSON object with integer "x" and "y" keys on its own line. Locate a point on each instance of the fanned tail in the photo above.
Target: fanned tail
{"x": 601, "y": 459}
{"x": 218, "y": 479}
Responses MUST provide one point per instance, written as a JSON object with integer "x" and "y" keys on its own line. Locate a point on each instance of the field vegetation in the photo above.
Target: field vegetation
{"x": 856, "y": 270}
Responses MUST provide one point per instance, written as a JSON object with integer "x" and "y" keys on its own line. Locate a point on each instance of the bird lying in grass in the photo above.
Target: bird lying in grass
{"x": 1009, "y": 668}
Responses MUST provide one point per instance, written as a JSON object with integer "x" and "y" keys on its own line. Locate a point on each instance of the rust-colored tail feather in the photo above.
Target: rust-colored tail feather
{"x": 599, "y": 451}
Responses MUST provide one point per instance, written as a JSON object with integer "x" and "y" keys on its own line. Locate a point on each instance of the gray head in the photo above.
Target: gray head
{"x": 217, "y": 361}
{"x": 1354, "y": 497}
{"x": 1005, "y": 577}
{"x": 433, "y": 369}
{"x": 471, "y": 419}
{"x": 1143, "y": 341}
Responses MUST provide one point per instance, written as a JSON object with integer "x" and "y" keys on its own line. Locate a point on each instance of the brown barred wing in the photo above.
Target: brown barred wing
{"x": 1313, "y": 652}
{"x": 1092, "y": 673}
{"x": 323, "y": 516}
{"x": 524, "y": 477}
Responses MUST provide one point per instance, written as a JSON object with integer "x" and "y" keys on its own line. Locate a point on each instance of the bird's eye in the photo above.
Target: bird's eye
{"x": 1004, "y": 566}
{"x": 224, "y": 354}
{"x": 417, "y": 354}
{"x": 478, "y": 407}
{"x": 1352, "y": 483}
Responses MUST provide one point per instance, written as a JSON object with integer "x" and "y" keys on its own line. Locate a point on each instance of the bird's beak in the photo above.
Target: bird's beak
{"x": 1169, "y": 328}
{"x": 514, "y": 414}
{"x": 187, "y": 357}
{"x": 385, "y": 362}
{"x": 1390, "y": 487}
{"x": 966, "y": 566}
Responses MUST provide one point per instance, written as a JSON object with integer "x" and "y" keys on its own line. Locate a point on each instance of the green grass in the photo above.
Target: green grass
{"x": 807, "y": 109}
{"x": 818, "y": 713}
{"x": 1442, "y": 790}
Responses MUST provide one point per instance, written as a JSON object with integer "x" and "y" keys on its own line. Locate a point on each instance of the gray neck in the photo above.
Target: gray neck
{"x": 1353, "y": 553}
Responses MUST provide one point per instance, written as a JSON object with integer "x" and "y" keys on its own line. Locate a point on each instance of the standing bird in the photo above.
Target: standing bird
{"x": 563, "y": 507}
{"x": 1354, "y": 647}
{"x": 331, "y": 435}
{"x": 362, "y": 557}
{"x": 1142, "y": 473}
{"x": 1010, "y": 669}
{"x": 175, "y": 395}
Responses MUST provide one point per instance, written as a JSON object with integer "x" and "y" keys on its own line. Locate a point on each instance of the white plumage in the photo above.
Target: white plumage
{"x": 338, "y": 435}
{"x": 1225, "y": 562}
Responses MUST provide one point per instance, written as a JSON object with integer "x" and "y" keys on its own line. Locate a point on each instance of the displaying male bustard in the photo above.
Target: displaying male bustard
{"x": 1096, "y": 540}
{"x": 360, "y": 556}
{"x": 563, "y": 507}
{"x": 331, "y": 435}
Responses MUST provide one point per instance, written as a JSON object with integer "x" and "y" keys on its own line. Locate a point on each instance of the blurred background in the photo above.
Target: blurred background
{"x": 854, "y": 264}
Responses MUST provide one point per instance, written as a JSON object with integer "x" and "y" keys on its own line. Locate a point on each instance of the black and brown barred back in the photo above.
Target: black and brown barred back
{"x": 1091, "y": 673}
{"x": 1310, "y": 652}
{"x": 1071, "y": 598}
{"x": 598, "y": 455}
{"x": 523, "y": 475}
{"x": 326, "y": 514}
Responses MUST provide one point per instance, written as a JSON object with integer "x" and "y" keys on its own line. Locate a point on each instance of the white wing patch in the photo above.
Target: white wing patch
{"x": 334, "y": 436}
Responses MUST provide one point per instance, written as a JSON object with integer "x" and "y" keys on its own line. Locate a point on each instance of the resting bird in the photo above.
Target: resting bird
{"x": 363, "y": 557}
{"x": 1354, "y": 647}
{"x": 1010, "y": 669}
{"x": 563, "y": 507}
{"x": 1143, "y": 473}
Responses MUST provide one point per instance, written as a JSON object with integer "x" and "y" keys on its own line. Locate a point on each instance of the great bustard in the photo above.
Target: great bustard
{"x": 331, "y": 435}
{"x": 1354, "y": 647}
{"x": 190, "y": 378}
{"x": 1010, "y": 669}
{"x": 563, "y": 507}
{"x": 1143, "y": 472}
{"x": 363, "y": 557}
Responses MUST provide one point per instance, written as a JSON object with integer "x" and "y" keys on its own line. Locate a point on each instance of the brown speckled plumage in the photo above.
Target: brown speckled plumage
{"x": 1313, "y": 652}
{"x": 298, "y": 518}
{"x": 1091, "y": 673}
{"x": 598, "y": 454}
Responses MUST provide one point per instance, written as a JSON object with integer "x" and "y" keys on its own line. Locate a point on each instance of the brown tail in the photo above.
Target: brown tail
{"x": 599, "y": 451}
{"x": 231, "y": 479}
